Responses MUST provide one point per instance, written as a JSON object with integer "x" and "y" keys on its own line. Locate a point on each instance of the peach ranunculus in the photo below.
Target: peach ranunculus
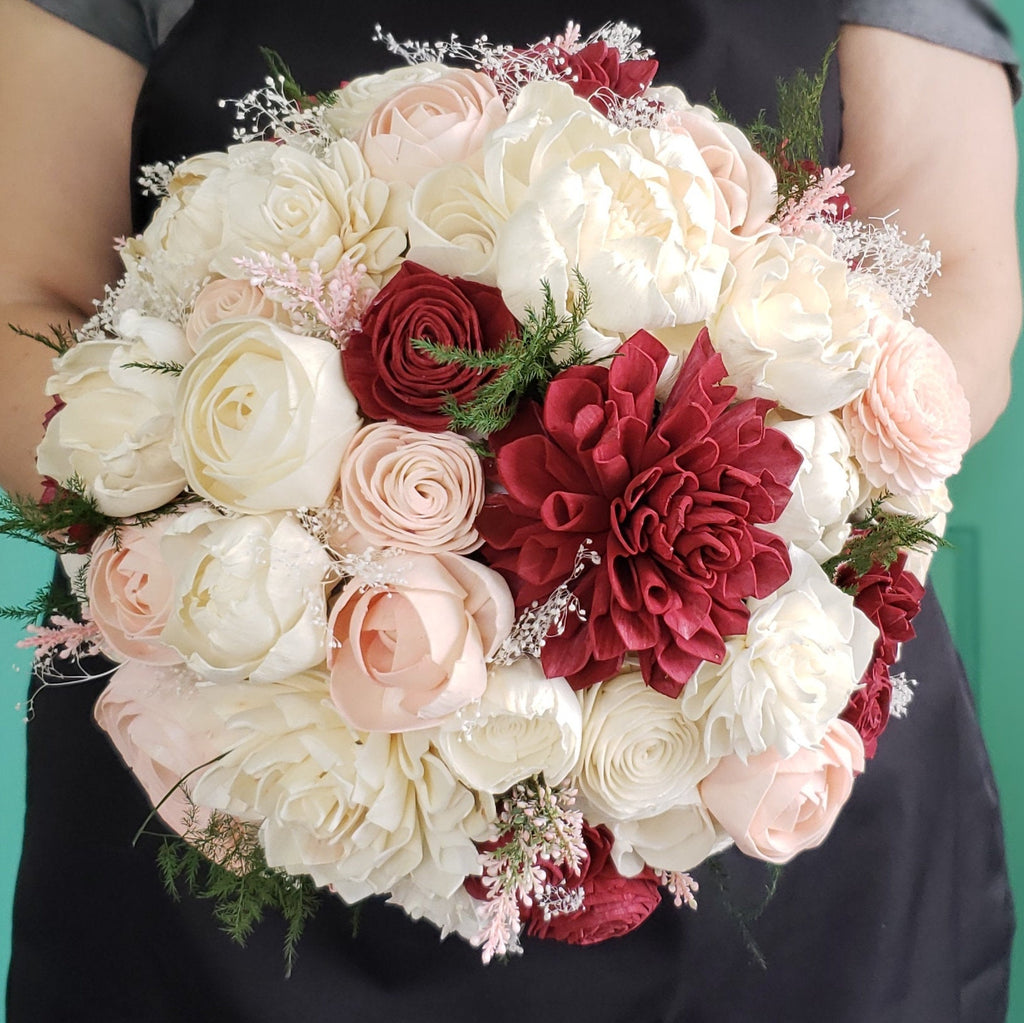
{"x": 225, "y": 299}
{"x": 912, "y": 425}
{"x": 430, "y": 124}
{"x": 775, "y": 806}
{"x": 746, "y": 192}
{"x": 405, "y": 488}
{"x": 407, "y": 653}
{"x": 131, "y": 592}
{"x": 164, "y": 728}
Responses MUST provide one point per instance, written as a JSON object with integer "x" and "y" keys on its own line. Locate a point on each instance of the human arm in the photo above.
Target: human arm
{"x": 67, "y": 100}
{"x": 929, "y": 131}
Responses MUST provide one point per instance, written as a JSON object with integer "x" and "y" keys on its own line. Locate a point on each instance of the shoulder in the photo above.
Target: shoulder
{"x": 971, "y": 26}
{"x": 136, "y": 27}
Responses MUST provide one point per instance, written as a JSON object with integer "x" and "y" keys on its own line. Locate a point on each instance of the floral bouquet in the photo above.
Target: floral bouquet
{"x": 502, "y": 485}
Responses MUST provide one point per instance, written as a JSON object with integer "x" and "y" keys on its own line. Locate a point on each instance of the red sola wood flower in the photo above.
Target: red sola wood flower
{"x": 669, "y": 498}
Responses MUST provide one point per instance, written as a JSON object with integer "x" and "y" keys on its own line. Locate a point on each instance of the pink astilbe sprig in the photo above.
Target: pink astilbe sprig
{"x": 537, "y": 828}
{"x": 681, "y": 886}
{"x": 64, "y": 638}
{"x": 815, "y": 200}
{"x": 325, "y": 305}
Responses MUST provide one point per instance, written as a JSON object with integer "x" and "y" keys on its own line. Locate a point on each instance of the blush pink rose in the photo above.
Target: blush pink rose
{"x": 404, "y": 488}
{"x": 406, "y": 654}
{"x": 745, "y": 186}
{"x": 774, "y": 807}
{"x": 912, "y": 425}
{"x": 429, "y": 124}
{"x": 227, "y": 300}
{"x": 131, "y": 591}
{"x": 162, "y": 732}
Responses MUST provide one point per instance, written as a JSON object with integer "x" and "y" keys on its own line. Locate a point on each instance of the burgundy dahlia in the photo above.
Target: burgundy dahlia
{"x": 669, "y": 499}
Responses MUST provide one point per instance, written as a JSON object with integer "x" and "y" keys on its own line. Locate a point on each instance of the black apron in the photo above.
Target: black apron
{"x": 904, "y": 916}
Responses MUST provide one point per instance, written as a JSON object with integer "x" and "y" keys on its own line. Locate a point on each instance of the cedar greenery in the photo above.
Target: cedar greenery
{"x": 60, "y": 339}
{"x": 527, "y": 363}
{"x": 879, "y": 538}
{"x": 223, "y": 861}
{"x": 169, "y": 368}
{"x": 49, "y": 600}
{"x": 25, "y": 518}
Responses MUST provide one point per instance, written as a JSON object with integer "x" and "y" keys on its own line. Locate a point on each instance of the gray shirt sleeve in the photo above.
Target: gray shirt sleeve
{"x": 137, "y": 27}
{"x": 972, "y": 26}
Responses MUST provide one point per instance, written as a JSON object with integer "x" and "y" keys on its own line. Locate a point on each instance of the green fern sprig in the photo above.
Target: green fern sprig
{"x": 60, "y": 339}
{"x": 879, "y": 538}
{"x": 49, "y": 600}
{"x": 169, "y": 368}
{"x": 549, "y": 342}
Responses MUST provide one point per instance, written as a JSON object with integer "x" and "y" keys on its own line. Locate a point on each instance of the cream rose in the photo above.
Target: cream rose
{"x": 116, "y": 430}
{"x": 130, "y": 589}
{"x": 225, "y": 299}
{"x": 162, "y": 725}
{"x": 524, "y": 724}
{"x": 639, "y": 755}
{"x": 805, "y": 651}
{"x": 404, "y": 488}
{"x": 635, "y": 216}
{"x": 363, "y": 813}
{"x": 677, "y": 839}
{"x": 406, "y": 654}
{"x": 432, "y": 123}
{"x": 775, "y": 806}
{"x": 264, "y": 417}
{"x": 351, "y": 106}
{"x": 790, "y": 330}
{"x": 912, "y": 425}
{"x": 827, "y": 490}
{"x": 249, "y": 595}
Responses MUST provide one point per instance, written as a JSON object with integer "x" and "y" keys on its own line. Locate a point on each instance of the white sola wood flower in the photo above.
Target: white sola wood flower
{"x": 357, "y": 811}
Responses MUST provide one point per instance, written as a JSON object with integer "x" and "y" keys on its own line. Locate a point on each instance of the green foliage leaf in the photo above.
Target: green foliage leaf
{"x": 289, "y": 86}
{"x": 60, "y": 339}
{"x": 169, "y": 368}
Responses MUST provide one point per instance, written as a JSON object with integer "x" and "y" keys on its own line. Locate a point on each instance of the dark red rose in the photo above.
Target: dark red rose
{"x": 393, "y": 380}
{"x": 669, "y": 500}
{"x": 613, "y": 905}
{"x": 890, "y": 597}
{"x": 868, "y": 709}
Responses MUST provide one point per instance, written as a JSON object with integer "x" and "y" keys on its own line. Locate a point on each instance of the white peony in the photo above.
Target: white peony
{"x": 350, "y": 107}
{"x": 789, "y": 328}
{"x": 249, "y": 596}
{"x": 827, "y": 490}
{"x": 805, "y": 651}
{"x": 264, "y": 417}
{"x": 116, "y": 430}
{"x": 640, "y": 754}
{"x": 363, "y": 813}
{"x": 524, "y": 724}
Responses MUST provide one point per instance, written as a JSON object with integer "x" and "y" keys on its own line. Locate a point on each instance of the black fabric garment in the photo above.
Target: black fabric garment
{"x": 904, "y": 916}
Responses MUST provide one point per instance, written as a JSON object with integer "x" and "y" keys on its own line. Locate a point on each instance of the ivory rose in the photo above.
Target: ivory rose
{"x": 640, "y": 755}
{"x": 359, "y": 812}
{"x": 524, "y": 724}
{"x": 805, "y": 650}
{"x": 912, "y": 425}
{"x": 431, "y": 123}
{"x": 790, "y": 330}
{"x": 420, "y": 491}
{"x": 775, "y": 806}
{"x": 351, "y": 105}
{"x": 225, "y": 299}
{"x": 678, "y": 838}
{"x": 405, "y": 654}
{"x": 249, "y": 595}
{"x": 130, "y": 589}
{"x": 162, "y": 725}
{"x": 115, "y": 429}
{"x": 264, "y": 417}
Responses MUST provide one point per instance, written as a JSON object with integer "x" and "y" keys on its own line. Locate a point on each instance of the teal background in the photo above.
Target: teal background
{"x": 979, "y": 581}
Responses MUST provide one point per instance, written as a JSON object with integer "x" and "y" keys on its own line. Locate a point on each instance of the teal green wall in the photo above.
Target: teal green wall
{"x": 980, "y": 583}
